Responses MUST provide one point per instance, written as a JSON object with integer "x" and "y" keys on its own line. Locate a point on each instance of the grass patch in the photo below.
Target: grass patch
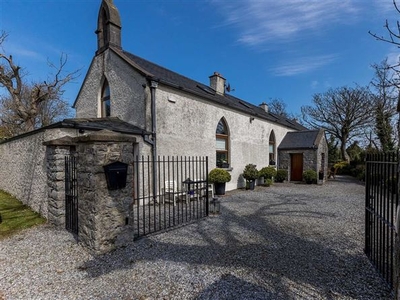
{"x": 16, "y": 216}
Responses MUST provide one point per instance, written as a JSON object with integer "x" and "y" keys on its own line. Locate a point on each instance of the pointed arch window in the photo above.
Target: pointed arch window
{"x": 222, "y": 144}
{"x": 272, "y": 148}
{"x": 105, "y": 100}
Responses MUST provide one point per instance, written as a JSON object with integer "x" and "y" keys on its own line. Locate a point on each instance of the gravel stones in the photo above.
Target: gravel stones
{"x": 288, "y": 241}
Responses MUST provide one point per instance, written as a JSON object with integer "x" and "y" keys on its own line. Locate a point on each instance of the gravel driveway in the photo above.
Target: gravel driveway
{"x": 288, "y": 241}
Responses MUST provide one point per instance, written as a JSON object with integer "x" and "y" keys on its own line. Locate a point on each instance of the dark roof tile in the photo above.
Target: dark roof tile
{"x": 168, "y": 77}
{"x": 307, "y": 139}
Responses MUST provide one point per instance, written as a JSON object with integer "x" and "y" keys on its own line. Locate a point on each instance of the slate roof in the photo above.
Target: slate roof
{"x": 95, "y": 124}
{"x": 164, "y": 76}
{"x": 308, "y": 139}
{"x": 110, "y": 123}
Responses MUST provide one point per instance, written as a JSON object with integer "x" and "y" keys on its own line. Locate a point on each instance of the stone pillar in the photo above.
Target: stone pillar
{"x": 103, "y": 215}
{"x": 55, "y": 154}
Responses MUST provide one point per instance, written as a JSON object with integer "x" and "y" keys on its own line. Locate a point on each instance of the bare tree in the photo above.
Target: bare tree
{"x": 385, "y": 95}
{"x": 28, "y": 106}
{"x": 342, "y": 112}
{"x": 394, "y": 39}
{"x": 278, "y": 107}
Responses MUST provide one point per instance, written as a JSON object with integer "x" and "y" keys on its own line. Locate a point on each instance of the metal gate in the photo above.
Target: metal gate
{"x": 169, "y": 192}
{"x": 381, "y": 200}
{"x": 71, "y": 195}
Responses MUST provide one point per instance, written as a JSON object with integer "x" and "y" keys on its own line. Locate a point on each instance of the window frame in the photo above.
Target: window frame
{"x": 272, "y": 142}
{"x": 226, "y": 151}
{"x": 105, "y": 98}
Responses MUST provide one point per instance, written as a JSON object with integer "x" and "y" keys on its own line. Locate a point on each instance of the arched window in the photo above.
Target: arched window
{"x": 222, "y": 144}
{"x": 272, "y": 148}
{"x": 105, "y": 100}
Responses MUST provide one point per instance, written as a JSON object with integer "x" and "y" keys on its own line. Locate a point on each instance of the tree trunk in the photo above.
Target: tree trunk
{"x": 343, "y": 151}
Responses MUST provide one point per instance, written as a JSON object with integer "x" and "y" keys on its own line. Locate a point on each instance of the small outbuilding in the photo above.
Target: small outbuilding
{"x": 304, "y": 150}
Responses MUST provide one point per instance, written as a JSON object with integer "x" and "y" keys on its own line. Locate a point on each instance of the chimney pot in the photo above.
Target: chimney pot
{"x": 217, "y": 83}
{"x": 264, "y": 106}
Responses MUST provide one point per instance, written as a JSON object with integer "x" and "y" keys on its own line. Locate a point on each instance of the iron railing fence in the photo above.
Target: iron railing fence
{"x": 71, "y": 194}
{"x": 381, "y": 200}
{"x": 169, "y": 192}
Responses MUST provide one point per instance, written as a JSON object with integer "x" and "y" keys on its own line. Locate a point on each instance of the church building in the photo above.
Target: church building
{"x": 178, "y": 116}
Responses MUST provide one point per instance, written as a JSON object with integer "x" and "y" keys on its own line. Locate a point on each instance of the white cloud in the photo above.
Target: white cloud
{"x": 280, "y": 21}
{"x": 303, "y": 65}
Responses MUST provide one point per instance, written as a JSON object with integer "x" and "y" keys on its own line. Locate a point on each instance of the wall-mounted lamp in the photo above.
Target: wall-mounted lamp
{"x": 251, "y": 119}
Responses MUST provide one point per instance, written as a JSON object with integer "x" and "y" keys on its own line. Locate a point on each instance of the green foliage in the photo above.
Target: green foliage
{"x": 268, "y": 182}
{"x": 16, "y": 216}
{"x": 250, "y": 172}
{"x": 267, "y": 172}
{"x": 333, "y": 150}
{"x": 341, "y": 165}
{"x": 218, "y": 175}
{"x": 310, "y": 176}
{"x": 281, "y": 175}
{"x": 355, "y": 152}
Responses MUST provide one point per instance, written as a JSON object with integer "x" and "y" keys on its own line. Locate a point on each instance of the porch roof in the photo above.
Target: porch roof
{"x": 306, "y": 139}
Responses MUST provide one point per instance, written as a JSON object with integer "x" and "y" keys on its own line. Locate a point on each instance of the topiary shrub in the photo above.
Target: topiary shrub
{"x": 218, "y": 175}
{"x": 310, "y": 176}
{"x": 267, "y": 172}
{"x": 250, "y": 172}
{"x": 281, "y": 175}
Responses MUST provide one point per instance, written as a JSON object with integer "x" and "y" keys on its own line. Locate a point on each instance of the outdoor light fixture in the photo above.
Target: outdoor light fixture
{"x": 215, "y": 206}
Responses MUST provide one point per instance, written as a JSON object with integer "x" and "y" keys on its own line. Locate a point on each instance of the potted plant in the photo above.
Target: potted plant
{"x": 281, "y": 175}
{"x": 310, "y": 176}
{"x": 250, "y": 173}
{"x": 219, "y": 177}
{"x": 268, "y": 172}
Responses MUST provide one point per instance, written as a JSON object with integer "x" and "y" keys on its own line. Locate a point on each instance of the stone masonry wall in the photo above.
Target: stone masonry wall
{"x": 56, "y": 183}
{"x": 23, "y": 169}
{"x": 103, "y": 215}
{"x": 310, "y": 160}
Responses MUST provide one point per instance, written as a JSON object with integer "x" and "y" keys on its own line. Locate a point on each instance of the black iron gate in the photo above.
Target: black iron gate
{"x": 71, "y": 195}
{"x": 168, "y": 192}
{"x": 381, "y": 200}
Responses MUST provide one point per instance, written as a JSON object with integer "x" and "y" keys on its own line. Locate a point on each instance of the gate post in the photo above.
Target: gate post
{"x": 56, "y": 150}
{"x": 104, "y": 215}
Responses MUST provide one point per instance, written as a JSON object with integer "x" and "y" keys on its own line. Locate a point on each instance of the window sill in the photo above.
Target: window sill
{"x": 226, "y": 169}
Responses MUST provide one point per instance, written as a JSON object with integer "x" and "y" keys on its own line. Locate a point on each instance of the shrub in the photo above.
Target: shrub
{"x": 268, "y": 182}
{"x": 267, "y": 172}
{"x": 281, "y": 175}
{"x": 218, "y": 175}
{"x": 310, "y": 176}
{"x": 250, "y": 172}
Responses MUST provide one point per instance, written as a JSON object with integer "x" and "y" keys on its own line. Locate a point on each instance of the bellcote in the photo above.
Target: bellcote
{"x": 108, "y": 26}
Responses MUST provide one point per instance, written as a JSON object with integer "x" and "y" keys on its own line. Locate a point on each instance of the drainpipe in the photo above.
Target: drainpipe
{"x": 153, "y": 87}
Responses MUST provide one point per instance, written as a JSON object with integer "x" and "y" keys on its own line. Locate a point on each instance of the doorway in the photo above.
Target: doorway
{"x": 296, "y": 169}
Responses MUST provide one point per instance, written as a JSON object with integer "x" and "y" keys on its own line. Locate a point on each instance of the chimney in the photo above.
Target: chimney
{"x": 217, "y": 83}
{"x": 264, "y": 106}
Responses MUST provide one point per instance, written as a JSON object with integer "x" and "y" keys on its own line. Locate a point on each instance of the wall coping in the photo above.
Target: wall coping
{"x": 98, "y": 136}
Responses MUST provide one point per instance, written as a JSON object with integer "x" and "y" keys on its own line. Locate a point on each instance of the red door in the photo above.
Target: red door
{"x": 296, "y": 171}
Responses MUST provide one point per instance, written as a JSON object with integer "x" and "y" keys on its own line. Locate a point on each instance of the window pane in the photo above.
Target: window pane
{"x": 107, "y": 108}
{"x": 271, "y": 148}
{"x": 222, "y": 158}
{"x": 220, "y": 144}
{"x": 221, "y": 128}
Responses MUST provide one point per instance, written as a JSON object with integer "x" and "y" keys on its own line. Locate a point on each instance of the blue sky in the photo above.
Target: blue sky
{"x": 288, "y": 49}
